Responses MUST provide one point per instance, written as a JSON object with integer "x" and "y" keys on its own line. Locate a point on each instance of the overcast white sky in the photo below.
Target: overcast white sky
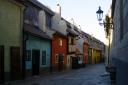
{"x": 83, "y": 12}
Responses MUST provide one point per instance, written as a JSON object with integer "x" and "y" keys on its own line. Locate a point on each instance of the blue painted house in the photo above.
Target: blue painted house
{"x": 37, "y": 41}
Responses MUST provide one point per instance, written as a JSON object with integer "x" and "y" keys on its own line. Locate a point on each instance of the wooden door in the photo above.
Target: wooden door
{"x": 35, "y": 62}
{"x": 1, "y": 64}
{"x": 60, "y": 64}
{"x": 15, "y": 63}
{"x": 74, "y": 62}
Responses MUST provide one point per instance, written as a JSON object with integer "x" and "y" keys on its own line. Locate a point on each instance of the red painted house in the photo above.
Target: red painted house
{"x": 59, "y": 52}
{"x": 85, "y": 49}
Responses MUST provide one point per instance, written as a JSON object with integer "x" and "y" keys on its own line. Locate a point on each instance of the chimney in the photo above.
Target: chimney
{"x": 58, "y": 9}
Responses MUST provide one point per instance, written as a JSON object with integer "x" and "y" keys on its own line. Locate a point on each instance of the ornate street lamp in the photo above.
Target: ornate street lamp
{"x": 107, "y": 23}
{"x": 99, "y": 14}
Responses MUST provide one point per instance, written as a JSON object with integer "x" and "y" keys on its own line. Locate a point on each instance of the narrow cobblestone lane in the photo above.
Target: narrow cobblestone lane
{"x": 90, "y": 75}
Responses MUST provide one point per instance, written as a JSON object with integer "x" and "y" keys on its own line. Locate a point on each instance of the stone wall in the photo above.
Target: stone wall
{"x": 119, "y": 49}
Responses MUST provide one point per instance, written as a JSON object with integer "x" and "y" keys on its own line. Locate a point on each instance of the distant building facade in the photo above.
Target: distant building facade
{"x": 34, "y": 40}
{"x": 71, "y": 42}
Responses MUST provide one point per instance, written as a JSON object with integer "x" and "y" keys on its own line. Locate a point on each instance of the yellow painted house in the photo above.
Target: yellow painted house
{"x": 11, "y": 18}
{"x": 96, "y": 56}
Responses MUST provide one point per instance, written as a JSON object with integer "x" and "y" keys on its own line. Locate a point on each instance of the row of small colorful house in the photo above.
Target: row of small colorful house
{"x": 35, "y": 40}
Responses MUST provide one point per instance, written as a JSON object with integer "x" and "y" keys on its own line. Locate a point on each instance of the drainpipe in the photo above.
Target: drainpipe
{"x": 51, "y": 57}
{"x": 24, "y": 40}
{"x": 23, "y": 58}
{"x": 23, "y": 49}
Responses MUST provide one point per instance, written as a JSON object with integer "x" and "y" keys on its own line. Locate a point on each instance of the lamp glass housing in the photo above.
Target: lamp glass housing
{"x": 99, "y": 14}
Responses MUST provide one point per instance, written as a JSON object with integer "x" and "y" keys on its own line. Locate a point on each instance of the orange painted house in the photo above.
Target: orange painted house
{"x": 59, "y": 52}
{"x": 86, "y": 48}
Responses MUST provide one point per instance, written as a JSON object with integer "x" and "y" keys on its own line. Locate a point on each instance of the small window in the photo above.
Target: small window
{"x": 79, "y": 58}
{"x": 69, "y": 40}
{"x": 72, "y": 40}
{"x": 57, "y": 58}
{"x": 60, "y": 42}
{"x": 31, "y": 16}
{"x": 28, "y": 55}
{"x": 48, "y": 20}
{"x": 43, "y": 57}
{"x": 61, "y": 57}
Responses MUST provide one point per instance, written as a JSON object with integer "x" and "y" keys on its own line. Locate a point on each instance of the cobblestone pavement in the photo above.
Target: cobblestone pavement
{"x": 90, "y": 75}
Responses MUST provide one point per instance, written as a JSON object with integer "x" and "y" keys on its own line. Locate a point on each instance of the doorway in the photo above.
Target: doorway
{"x": 74, "y": 62}
{"x": 61, "y": 60}
{"x": 1, "y": 64}
{"x": 35, "y": 62}
{"x": 15, "y": 63}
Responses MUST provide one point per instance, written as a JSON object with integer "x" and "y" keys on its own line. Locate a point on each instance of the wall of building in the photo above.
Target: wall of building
{"x": 71, "y": 50}
{"x": 80, "y": 53}
{"x": 11, "y": 29}
{"x": 90, "y": 56}
{"x": 86, "y": 50}
{"x": 96, "y": 56}
{"x": 93, "y": 56}
{"x": 120, "y": 41}
{"x": 35, "y": 43}
{"x": 79, "y": 44}
{"x": 106, "y": 51}
{"x": 57, "y": 49}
